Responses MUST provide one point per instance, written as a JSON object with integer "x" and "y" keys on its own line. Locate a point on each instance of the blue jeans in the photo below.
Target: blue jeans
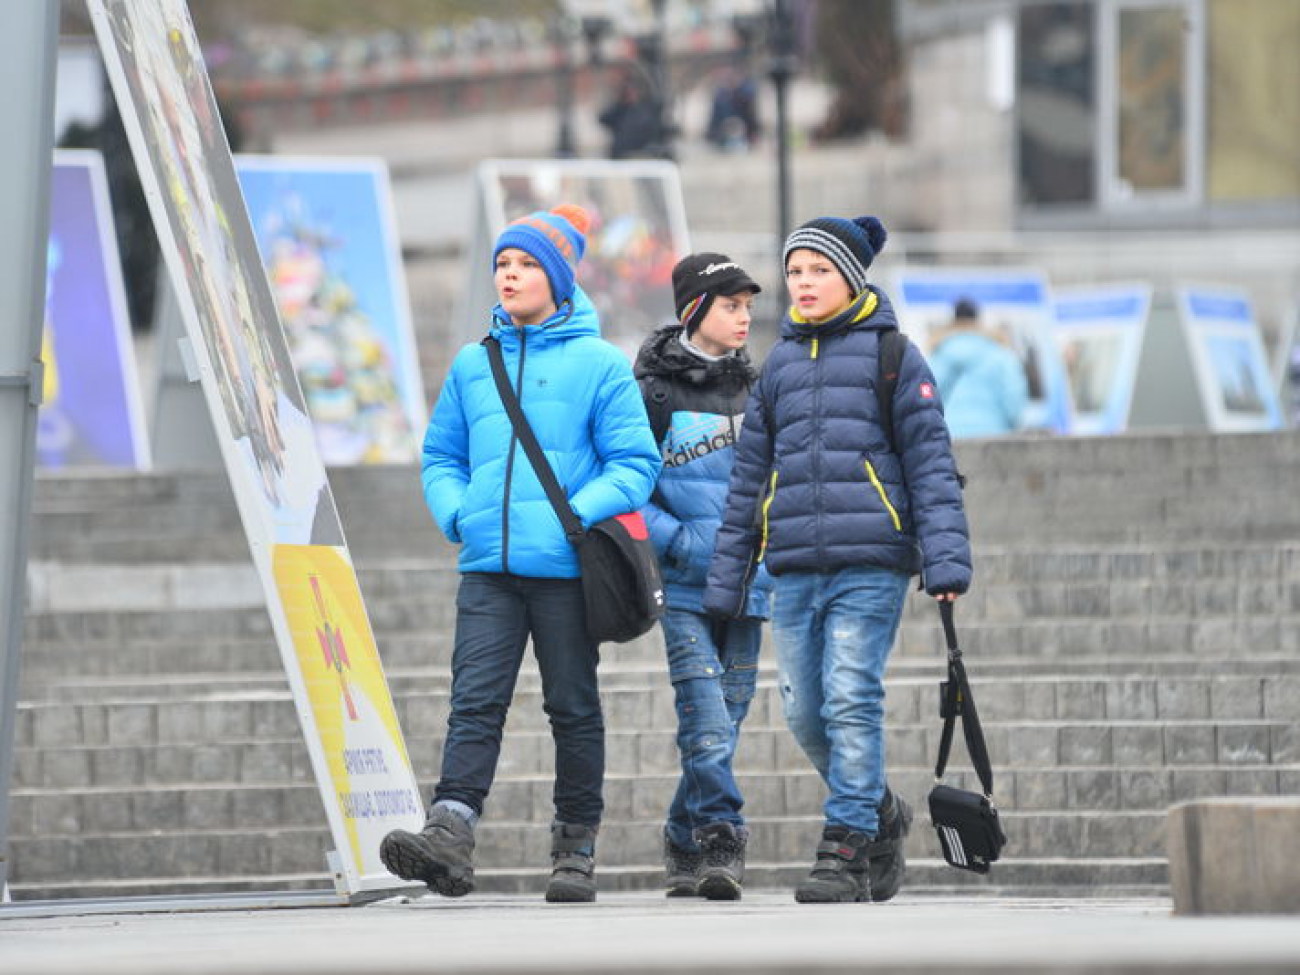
{"x": 495, "y": 616}
{"x": 833, "y": 633}
{"x": 713, "y": 665}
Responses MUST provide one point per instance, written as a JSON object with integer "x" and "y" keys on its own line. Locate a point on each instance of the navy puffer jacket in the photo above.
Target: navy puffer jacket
{"x": 815, "y": 486}
{"x": 697, "y": 406}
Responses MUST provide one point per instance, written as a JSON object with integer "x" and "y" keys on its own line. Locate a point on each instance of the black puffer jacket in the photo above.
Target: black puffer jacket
{"x": 696, "y": 408}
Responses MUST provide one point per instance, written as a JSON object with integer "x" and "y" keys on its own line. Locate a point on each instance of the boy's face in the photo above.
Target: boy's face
{"x": 817, "y": 289}
{"x": 726, "y": 327}
{"x": 523, "y": 288}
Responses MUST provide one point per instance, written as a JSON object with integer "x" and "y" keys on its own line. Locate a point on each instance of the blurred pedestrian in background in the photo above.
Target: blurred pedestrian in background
{"x": 982, "y": 381}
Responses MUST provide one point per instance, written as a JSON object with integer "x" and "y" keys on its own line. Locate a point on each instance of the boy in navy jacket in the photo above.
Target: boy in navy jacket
{"x": 842, "y": 521}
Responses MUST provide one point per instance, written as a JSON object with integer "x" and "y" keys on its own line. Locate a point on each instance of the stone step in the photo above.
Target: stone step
{"x": 1163, "y": 759}
{"x": 146, "y": 805}
{"x": 508, "y": 844}
{"x": 1045, "y": 688}
{"x": 1021, "y": 877}
{"x": 644, "y": 701}
{"x": 1040, "y": 491}
{"x": 151, "y": 669}
{"x": 85, "y": 643}
{"x": 1050, "y": 580}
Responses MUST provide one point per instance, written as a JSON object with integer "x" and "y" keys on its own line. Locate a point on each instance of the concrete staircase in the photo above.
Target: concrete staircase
{"x": 1131, "y": 635}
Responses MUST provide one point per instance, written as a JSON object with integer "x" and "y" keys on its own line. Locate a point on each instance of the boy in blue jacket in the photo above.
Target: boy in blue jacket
{"x": 842, "y": 520}
{"x": 519, "y": 573}
{"x": 695, "y": 376}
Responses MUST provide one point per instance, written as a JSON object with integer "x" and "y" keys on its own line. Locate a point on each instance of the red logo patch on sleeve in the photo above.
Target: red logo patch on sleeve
{"x": 927, "y": 391}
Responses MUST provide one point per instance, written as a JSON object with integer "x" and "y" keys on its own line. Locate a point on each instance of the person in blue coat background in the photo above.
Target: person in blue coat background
{"x": 842, "y": 520}
{"x": 695, "y": 377}
{"x": 982, "y": 381}
{"x": 519, "y": 573}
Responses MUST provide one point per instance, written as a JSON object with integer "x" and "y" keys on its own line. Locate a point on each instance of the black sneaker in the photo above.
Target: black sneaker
{"x": 682, "y": 868}
{"x": 573, "y": 864}
{"x": 840, "y": 874}
{"x": 723, "y": 870}
{"x": 886, "y": 862}
{"x": 440, "y": 855}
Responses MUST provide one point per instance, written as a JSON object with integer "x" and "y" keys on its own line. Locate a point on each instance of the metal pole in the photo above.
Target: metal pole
{"x": 781, "y": 70}
{"x": 28, "y": 47}
{"x": 561, "y": 35}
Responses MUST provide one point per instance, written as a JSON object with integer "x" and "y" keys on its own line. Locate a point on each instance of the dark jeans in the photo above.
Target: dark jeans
{"x": 495, "y": 616}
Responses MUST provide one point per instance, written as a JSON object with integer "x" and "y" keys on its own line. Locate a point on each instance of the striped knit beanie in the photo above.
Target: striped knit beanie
{"x": 557, "y": 238}
{"x": 851, "y": 245}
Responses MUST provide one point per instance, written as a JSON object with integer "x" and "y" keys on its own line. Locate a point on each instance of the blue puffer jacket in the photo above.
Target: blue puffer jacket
{"x": 700, "y": 405}
{"x": 815, "y": 486}
{"x": 579, "y": 396}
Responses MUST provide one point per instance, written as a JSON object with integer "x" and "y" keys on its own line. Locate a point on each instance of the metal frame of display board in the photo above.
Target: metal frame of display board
{"x": 27, "y": 49}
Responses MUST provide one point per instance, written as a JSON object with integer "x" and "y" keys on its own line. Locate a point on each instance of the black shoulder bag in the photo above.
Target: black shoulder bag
{"x": 970, "y": 832}
{"x": 620, "y": 571}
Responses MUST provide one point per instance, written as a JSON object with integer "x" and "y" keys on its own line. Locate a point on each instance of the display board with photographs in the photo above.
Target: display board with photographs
{"x": 327, "y": 235}
{"x": 1099, "y": 331}
{"x": 91, "y": 414}
{"x": 1287, "y": 371}
{"x": 1014, "y": 303}
{"x": 638, "y": 232}
{"x": 262, "y": 428}
{"x": 1228, "y": 357}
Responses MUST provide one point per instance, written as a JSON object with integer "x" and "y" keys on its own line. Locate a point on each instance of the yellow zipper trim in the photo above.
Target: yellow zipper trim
{"x": 880, "y": 489}
{"x": 814, "y": 348}
{"x": 767, "y": 503}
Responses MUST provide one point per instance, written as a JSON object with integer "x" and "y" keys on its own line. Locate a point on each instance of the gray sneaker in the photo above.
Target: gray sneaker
{"x": 682, "y": 868}
{"x": 440, "y": 855}
{"x": 840, "y": 874}
{"x": 573, "y": 864}
{"x": 723, "y": 869}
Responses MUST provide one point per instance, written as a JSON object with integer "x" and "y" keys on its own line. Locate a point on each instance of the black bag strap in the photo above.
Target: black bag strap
{"x": 959, "y": 702}
{"x": 569, "y": 521}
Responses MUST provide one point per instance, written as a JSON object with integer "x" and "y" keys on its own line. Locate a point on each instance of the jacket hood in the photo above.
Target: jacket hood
{"x": 869, "y": 310}
{"x": 575, "y": 317}
{"x": 663, "y": 355}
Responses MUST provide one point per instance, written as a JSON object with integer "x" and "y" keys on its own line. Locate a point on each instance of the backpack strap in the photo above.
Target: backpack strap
{"x": 893, "y": 344}
{"x": 657, "y": 409}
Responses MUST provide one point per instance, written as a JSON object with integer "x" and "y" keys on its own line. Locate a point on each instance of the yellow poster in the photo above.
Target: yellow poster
{"x": 356, "y": 730}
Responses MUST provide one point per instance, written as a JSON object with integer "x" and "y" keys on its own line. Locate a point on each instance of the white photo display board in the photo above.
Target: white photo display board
{"x": 1015, "y": 301}
{"x": 1232, "y": 372}
{"x": 638, "y": 232}
{"x": 265, "y": 436}
{"x": 1099, "y": 331}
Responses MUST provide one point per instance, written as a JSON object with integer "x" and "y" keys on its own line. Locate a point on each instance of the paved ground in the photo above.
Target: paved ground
{"x": 633, "y": 933}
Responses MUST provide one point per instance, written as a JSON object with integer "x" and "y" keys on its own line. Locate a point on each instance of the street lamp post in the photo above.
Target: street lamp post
{"x": 781, "y": 68}
{"x": 560, "y": 36}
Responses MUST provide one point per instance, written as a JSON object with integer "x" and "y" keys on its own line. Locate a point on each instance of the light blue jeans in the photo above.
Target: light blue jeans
{"x": 833, "y": 633}
{"x": 713, "y": 665}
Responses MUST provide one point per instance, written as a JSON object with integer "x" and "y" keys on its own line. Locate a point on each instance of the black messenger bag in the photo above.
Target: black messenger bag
{"x": 970, "y": 832}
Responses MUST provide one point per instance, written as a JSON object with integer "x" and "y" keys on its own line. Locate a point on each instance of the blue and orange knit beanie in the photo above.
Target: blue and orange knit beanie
{"x": 851, "y": 245}
{"x": 557, "y": 238}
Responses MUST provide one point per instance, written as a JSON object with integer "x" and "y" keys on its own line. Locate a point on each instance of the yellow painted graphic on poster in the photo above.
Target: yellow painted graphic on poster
{"x": 356, "y": 723}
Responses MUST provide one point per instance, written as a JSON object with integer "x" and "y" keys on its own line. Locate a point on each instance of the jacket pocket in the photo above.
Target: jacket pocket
{"x": 884, "y": 496}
